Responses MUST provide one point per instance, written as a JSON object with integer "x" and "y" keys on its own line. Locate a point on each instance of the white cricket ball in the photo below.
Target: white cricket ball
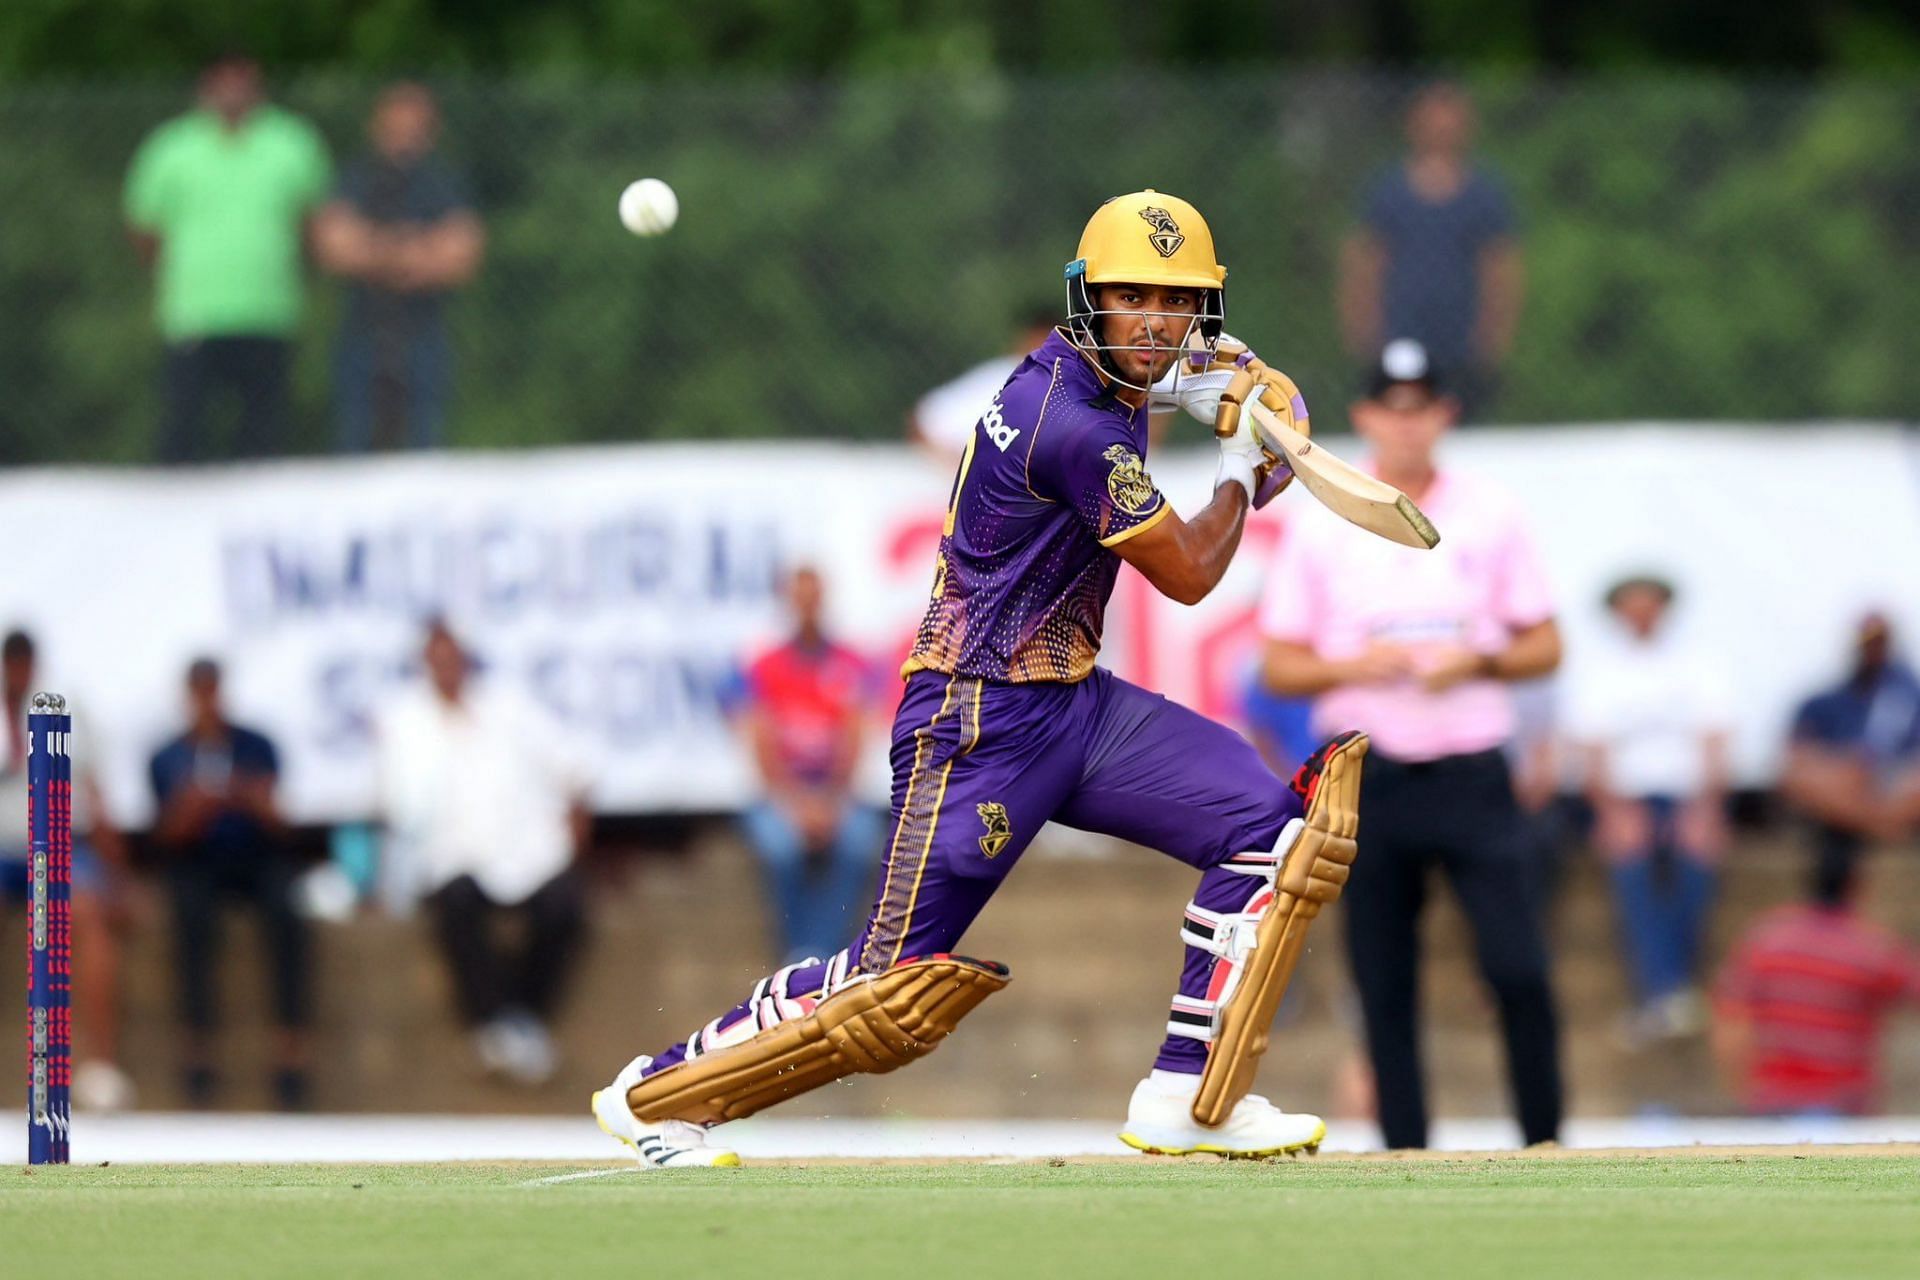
{"x": 648, "y": 207}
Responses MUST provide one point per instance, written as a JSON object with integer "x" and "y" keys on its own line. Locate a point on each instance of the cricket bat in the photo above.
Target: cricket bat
{"x": 1343, "y": 488}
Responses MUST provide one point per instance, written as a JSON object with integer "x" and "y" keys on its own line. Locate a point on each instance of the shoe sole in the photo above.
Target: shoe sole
{"x": 728, "y": 1160}
{"x": 1310, "y": 1147}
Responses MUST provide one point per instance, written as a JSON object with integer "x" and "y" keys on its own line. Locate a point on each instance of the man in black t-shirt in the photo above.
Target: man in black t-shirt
{"x": 402, "y": 231}
{"x": 1437, "y": 255}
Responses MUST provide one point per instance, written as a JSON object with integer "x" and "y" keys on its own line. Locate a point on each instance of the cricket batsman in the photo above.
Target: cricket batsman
{"x": 1006, "y": 723}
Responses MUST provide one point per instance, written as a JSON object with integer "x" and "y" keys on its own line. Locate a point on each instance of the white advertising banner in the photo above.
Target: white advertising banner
{"x": 622, "y": 585}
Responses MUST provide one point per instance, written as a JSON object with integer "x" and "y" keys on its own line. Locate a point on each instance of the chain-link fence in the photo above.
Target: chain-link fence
{"x": 1693, "y": 248}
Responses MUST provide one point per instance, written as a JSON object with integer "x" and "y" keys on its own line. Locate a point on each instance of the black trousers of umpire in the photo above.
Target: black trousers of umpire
{"x": 1458, "y": 814}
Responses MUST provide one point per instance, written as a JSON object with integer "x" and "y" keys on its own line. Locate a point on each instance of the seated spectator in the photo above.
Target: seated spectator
{"x": 99, "y": 864}
{"x": 1280, "y": 728}
{"x": 1799, "y": 1007}
{"x": 1650, "y": 719}
{"x": 804, "y": 706}
{"x": 489, "y": 810}
{"x": 220, "y": 831}
{"x": 402, "y": 231}
{"x": 1853, "y": 760}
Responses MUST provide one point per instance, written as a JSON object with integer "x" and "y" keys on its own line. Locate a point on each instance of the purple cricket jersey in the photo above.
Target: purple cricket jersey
{"x": 1054, "y": 477}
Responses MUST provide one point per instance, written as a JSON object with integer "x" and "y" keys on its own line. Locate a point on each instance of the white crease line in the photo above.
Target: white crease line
{"x": 575, "y": 1177}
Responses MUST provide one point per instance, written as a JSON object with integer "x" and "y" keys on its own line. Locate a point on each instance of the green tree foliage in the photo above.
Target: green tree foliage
{"x": 626, "y": 37}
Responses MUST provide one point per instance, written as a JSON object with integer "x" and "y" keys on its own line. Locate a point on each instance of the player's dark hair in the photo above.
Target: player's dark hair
{"x": 203, "y": 670}
{"x": 1831, "y": 884}
{"x": 17, "y": 647}
{"x": 234, "y": 57}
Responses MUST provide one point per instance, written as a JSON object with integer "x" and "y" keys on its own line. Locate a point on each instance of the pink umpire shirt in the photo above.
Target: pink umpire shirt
{"x": 1338, "y": 589}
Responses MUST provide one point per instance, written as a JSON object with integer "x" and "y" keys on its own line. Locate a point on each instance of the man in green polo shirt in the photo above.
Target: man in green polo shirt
{"x": 218, "y": 201}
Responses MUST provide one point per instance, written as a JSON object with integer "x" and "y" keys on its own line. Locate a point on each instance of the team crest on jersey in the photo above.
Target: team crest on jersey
{"x": 1127, "y": 481}
{"x": 1166, "y": 237}
{"x": 999, "y": 827}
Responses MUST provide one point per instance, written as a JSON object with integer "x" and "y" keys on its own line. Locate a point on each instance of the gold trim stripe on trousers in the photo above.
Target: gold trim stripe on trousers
{"x": 919, "y": 820}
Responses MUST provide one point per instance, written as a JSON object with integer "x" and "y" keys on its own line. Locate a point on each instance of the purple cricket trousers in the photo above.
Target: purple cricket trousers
{"x": 979, "y": 767}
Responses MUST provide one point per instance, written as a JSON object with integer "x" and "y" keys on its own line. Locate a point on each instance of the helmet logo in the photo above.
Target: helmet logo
{"x": 1166, "y": 235}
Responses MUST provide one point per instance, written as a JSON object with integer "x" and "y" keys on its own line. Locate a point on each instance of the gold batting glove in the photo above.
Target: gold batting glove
{"x": 1246, "y": 376}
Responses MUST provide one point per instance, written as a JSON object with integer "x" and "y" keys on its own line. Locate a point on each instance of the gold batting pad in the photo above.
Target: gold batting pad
{"x": 1315, "y": 871}
{"x": 872, "y": 1025}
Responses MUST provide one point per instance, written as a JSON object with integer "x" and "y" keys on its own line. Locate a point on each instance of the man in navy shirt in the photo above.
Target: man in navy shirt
{"x": 1853, "y": 759}
{"x": 402, "y": 231}
{"x": 220, "y": 830}
{"x": 1436, "y": 258}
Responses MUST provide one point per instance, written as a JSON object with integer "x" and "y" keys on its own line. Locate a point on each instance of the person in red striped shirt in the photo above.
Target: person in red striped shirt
{"x": 1801, "y": 1002}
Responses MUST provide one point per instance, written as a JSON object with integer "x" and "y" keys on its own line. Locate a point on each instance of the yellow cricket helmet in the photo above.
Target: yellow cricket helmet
{"x": 1146, "y": 237}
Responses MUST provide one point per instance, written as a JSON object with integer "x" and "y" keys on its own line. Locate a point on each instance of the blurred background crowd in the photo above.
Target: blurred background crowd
{"x": 387, "y": 228}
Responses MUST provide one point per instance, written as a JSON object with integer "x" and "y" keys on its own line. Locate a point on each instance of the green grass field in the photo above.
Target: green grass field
{"x": 1744, "y": 1215}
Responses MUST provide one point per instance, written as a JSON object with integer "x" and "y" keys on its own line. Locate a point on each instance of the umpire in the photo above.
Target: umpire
{"x": 1417, "y": 648}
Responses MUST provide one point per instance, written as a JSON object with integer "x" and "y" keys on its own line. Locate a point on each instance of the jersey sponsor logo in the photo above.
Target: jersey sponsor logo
{"x": 995, "y": 422}
{"x": 1165, "y": 236}
{"x": 999, "y": 827}
{"x": 1127, "y": 481}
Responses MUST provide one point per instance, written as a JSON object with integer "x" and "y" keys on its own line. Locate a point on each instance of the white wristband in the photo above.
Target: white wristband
{"x": 1238, "y": 468}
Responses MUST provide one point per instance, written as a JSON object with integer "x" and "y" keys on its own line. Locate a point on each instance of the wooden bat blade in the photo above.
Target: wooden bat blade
{"x": 1343, "y": 488}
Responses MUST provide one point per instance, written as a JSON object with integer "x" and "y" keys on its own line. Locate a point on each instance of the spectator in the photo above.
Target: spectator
{"x": 99, "y": 862}
{"x": 1437, "y": 257}
{"x": 1853, "y": 759}
{"x": 222, "y": 835}
{"x": 1800, "y": 1004}
{"x": 1417, "y": 648}
{"x": 943, "y": 420}
{"x": 402, "y": 231}
{"x": 1651, "y": 721}
{"x": 804, "y": 708}
{"x": 217, "y": 201}
{"x": 488, "y": 808}
{"x": 1280, "y": 728}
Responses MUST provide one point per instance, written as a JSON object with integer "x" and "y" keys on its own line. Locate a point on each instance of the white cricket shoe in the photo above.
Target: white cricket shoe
{"x": 1160, "y": 1122}
{"x": 668, "y": 1144}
